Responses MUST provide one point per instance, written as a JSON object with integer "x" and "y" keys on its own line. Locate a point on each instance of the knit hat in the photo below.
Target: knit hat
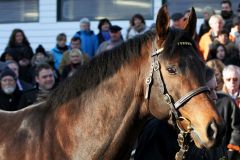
{"x": 7, "y": 72}
{"x": 40, "y": 49}
{"x": 85, "y": 20}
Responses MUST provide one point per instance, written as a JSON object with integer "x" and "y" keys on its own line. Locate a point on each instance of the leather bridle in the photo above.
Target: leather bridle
{"x": 155, "y": 68}
{"x": 174, "y": 106}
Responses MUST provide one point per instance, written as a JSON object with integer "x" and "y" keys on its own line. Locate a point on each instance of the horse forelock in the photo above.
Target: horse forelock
{"x": 100, "y": 68}
{"x": 178, "y": 43}
{"x": 171, "y": 43}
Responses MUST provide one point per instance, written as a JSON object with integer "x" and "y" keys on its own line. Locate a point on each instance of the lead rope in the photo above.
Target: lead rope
{"x": 183, "y": 139}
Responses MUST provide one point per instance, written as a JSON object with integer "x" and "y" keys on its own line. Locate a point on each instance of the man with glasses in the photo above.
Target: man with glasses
{"x": 231, "y": 78}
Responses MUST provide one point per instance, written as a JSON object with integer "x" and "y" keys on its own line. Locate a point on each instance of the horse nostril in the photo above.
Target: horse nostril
{"x": 212, "y": 130}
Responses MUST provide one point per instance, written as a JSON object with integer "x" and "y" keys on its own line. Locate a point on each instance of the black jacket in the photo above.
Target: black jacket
{"x": 157, "y": 141}
{"x": 231, "y": 115}
{"x": 100, "y": 38}
{"x": 29, "y": 97}
{"x": 10, "y": 102}
{"x": 20, "y": 51}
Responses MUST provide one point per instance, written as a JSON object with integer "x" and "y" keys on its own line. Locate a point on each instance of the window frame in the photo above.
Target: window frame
{"x": 25, "y": 21}
{"x": 204, "y": 4}
{"x": 59, "y": 14}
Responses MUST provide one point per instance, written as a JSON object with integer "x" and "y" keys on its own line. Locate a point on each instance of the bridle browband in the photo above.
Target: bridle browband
{"x": 183, "y": 136}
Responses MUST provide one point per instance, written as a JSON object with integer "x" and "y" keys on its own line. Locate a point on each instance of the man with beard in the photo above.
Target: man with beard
{"x": 227, "y": 14}
{"x": 9, "y": 93}
{"x": 45, "y": 81}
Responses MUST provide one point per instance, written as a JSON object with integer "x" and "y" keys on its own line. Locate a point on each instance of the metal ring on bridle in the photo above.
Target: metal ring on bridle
{"x": 189, "y": 128}
{"x": 148, "y": 80}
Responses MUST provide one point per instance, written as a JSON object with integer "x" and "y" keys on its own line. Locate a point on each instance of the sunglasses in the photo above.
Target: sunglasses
{"x": 233, "y": 79}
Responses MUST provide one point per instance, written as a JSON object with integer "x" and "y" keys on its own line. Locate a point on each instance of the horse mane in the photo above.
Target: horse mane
{"x": 109, "y": 62}
{"x": 98, "y": 69}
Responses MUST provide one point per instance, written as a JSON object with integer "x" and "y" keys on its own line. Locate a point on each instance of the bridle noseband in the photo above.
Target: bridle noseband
{"x": 155, "y": 68}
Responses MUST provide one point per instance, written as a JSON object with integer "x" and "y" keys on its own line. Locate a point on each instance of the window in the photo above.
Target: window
{"x": 13, "y": 11}
{"x": 181, "y": 6}
{"x": 74, "y": 10}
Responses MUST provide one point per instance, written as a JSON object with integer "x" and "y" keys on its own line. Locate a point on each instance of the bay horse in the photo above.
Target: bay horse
{"x": 99, "y": 111}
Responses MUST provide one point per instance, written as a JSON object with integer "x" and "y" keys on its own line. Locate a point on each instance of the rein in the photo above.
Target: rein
{"x": 184, "y": 135}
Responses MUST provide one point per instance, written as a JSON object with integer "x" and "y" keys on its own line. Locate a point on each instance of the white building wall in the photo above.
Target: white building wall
{"x": 45, "y": 31}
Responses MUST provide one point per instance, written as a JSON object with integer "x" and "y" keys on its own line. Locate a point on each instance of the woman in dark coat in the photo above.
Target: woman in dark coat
{"x": 19, "y": 46}
{"x": 103, "y": 26}
{"x": 19, "y": 49}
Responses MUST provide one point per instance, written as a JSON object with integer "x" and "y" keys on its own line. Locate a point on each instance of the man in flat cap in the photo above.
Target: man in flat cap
{"x": 115, "y": 39}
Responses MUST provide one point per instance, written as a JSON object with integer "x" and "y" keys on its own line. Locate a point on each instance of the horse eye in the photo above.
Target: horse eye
{"x": 171, "y": 70}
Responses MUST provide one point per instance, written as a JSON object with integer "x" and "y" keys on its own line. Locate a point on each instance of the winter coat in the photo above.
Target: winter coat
{"x": 57, "y": 56}
{"x": 231, "y": 115}
{"x": 89, "y": 42}
{"x": 20, "y": 51}
{"x": 10, "y": 102}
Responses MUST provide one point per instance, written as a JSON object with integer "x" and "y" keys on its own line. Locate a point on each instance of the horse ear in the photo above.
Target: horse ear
{"x": 162, "y": 22}
{"x": 190, "y": 25}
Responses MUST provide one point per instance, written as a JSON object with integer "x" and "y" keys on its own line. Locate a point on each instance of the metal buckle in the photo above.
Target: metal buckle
{"x": 167, "y": 98}
{"x": 156, "y": 66}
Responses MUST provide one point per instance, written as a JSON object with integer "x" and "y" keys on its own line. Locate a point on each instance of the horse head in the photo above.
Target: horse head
{"x": 178, "y": 77}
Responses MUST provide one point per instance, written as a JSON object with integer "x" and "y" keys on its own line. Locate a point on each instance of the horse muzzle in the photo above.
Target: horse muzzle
{"x": 214, "y": 135}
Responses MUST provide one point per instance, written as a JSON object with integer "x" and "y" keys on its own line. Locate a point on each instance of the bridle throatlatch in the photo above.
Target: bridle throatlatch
{"x": 184, "y": 135}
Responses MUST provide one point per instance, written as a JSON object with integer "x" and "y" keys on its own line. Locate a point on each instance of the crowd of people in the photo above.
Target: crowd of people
{"x": 26, "y": 76}
{"x": 33, "y": 73}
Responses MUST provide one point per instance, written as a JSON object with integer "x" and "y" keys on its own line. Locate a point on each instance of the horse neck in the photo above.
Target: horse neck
{"x": 120, "y": 100}
{"x": 108, "y": 116}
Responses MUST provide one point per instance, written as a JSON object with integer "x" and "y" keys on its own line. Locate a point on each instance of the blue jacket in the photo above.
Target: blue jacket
{"x": 57, "y": 56}
{"x": 89, "y": 42}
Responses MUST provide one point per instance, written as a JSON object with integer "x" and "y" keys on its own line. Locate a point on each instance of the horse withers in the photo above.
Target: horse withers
{"x": 98, "y": 112}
